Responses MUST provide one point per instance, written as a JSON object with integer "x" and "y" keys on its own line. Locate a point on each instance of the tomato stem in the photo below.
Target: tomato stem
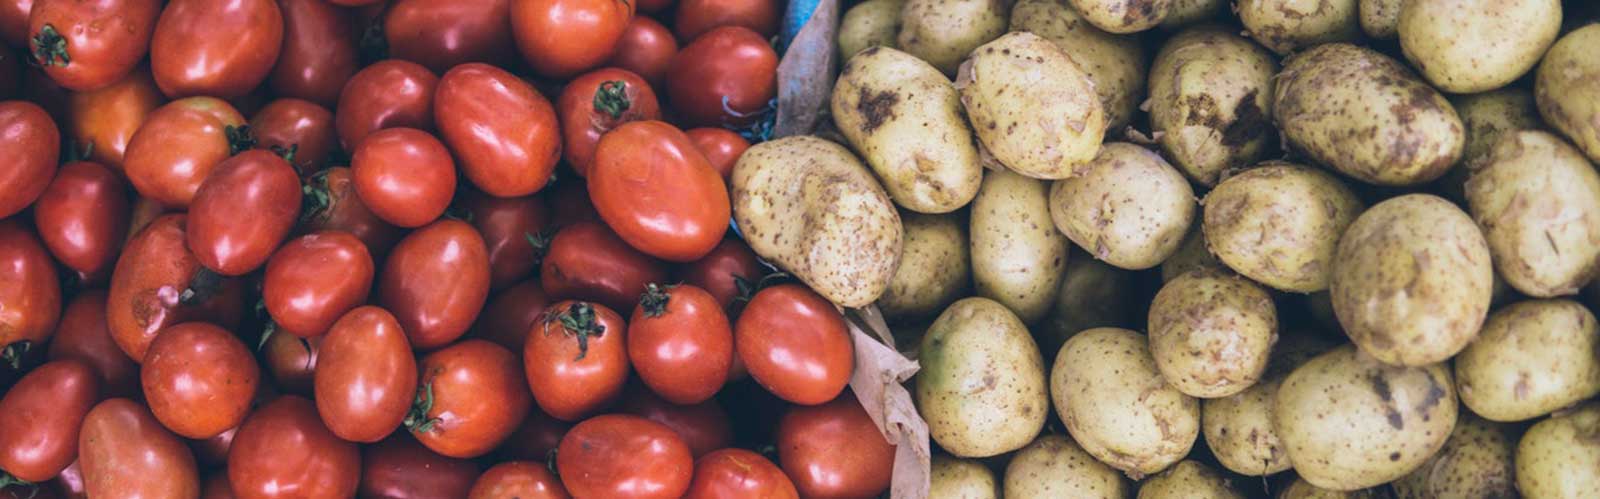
{"x": 612, "y": 98}
{"x": 75, "y": 153}
{"x": 12, "y": 355}
{"x": 541, "y": 245}
{"x": 316, "y": 203}
{"x": 417, "y": 420}
{"x": 267, "y": 330}
{"x": 49, "y": 46}
{"x": 579, "y": 320}
{"x": 746, "y": 289}
{"x": 550, "y": 461}
{"x": 655, "y": 298}
{"x": 6, "y": 480}
{"x": 287, "y": 153}
{"x": 202, "y": 287}
{"x": 239, "y": 138}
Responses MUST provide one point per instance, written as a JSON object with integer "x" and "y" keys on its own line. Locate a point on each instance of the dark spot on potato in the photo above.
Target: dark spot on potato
{"x": 1431, "y": 400}
{"x": 1394, "y": 456}
{"x": 1248, "y": 122}
{"x": 876, "y": 108}
{"x": 1386, "y": 394}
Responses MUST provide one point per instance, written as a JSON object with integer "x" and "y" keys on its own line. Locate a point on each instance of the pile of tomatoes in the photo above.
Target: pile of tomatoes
{"x": 402, "y": 249}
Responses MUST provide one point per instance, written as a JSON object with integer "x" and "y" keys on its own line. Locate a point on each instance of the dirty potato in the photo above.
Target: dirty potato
{"x": 872, "y": 23}
{"x": 1286, "y": 26}
{"x": 1092, "y": 295}
{"x": 1115, "y": 63}
{"x": 1129, "y": 208}
{"x": 1487, "y": 116}
{"x": 1238, "y": 428}
{"x": 1035, "y": 110}
{"x": 1188, "y": 480}
{"x": 1211, "y": 332}
{"x": 1210, "y": 101}
{"x": 1557, "y": 458}
{"x": 1469, "y": 46}
{"x": 1186, "y": 12}
{"x": 1532, "y": 358}
{"x": 1054, "y": 466}
{"x": 1477, "y": 461}
{"x": 1567, "y": 87}
{"x": 955, "y": 478}
{"x": 1123, "y": 16}
{"x": 1381, "y": 18}
{"x": 933, "y": 268}
{"x": 1300, "y": 489}
{"x": 1017, "y": 254}
{"x": 1279, "y": 224}
{"x": 1538, "y": 202}
{"x": 944, "y": 32}
{"x": 1116, "y": 404}
{"x": 982, "y": 385}
{"x": 1191, "y": 254}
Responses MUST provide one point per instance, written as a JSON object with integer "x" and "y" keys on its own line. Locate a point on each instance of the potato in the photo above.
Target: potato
{"x": 1118, "y": 406}
{"x": 1054, "y": 466}
{"x": 872, "y": 23}
{"x": 1191, "y": 254}
{"x": 1412, "y": 280}
{"x": 933, "y": 269}
{"x": 1185, "y": 12}
{"x": 1279, "y": 224}
{"x": 808, "y": 206}
{"x": 1211, "y": 332}
{"x": 1557, "y": 458}
{"x": 1475, "y": 462}
{"x": 1567, "y": 88}
{"x": 1490, "y": 114}
{"x": 1381, "y": 18}
{"x": 905, "y": 119}
{"x": 1092, "y": 295}
{"x": 1115, "y": 63}
{"x": 1532, "y": 358}
{"x": 1366, "y": 115}
{"x": 944, "y": 32}
{"x": 1352, "y": 422}
{"x": 1210, "y": 101}
{"x": 1123, "y": 16}
{"x": 1538, "y": 202}
{"x": 1238, "y": 428}
{"x": 982, "y": 385}
{"x": 953, "y": 478}
{"x": 1286, "y": 26}
{"x": 1035, "y": 110}
{"x": 1469, "y": 46}
{"x": 1302, "y": 490}
{"x": 1129, "y": 208}
{"x": 1187, "y": 480}
{"x": 1017, "y": 255}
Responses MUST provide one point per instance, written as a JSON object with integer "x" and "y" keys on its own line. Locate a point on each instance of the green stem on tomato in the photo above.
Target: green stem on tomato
{"x": 612, "y": 98}
{"x": 49, "y": 46}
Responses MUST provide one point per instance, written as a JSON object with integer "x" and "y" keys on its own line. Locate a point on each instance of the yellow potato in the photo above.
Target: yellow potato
{"x": 954, "y": 478}
{"x": 1116, "y": 404}
{"x": 934, "y": 268}
{"x": 1054, "y": 466}
{"x": 873, "y": 23}
{"x": 1115, "y": 63}
{"x": 1017, "y": 254}
{"x": 1123, "y": 16}
{"x": 982, "y": 384}
{"x": 1557, "y": 458}
{"x": 1538, "y": 202}
{"x": 1035, "y": 110}
{"x": 1381, "y": 18}
{"x": 1532, "y": 358}
{"x": 1279, "y": 224}
{"x": 1477, "y": 461}
{"x": 1192, "y": 254}
{"x": 1211, "y": 332}
{"x": 1188, "y": 480}
{"x": 1567, "y": 87}
{"x": 1286, "y": 26}
{"x": 944, "y": 32}
{"x": 1129, "y": 208}
{"x": 1187, "y": 12}
{"x": 1468, "y": 46}
{"x": 1211, "y": 101}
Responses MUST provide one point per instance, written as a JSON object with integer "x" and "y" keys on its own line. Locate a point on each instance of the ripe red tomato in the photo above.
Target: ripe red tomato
{"x": 436, "y": 282}
{"x": 442, "y": 35}
{"x": 720, "y": 271}
{"x": 106, "y": 119}
{"x": 514, "y": 229}
{"x": 299, "y": 126}
{"x": 313, "y": 280}
{"x": 84, "y": 336}
{"x": 658, "y": 192}
{"x": 14, "y": 21}
{"x": 400, "y": 468}
{"x": 834, "y": 450}
{"x": 124, "y": 452}
{"x": 646, "y": 48}
{"x": 576, "y": 359}
{"x": 284, "y": 451}
{"x": 795, "y": 344}
{"x": 503, "y": 130}
{"x": 511, "y": 314}
{"x": 221, "y": 49}
{"x": 725, "y": 77}
{"x": 82, "y": 217}
{"x": 622, "y": 457}
{"x": 319, "y": 52}
{"x": 680, "y": 342}
{"x": 199, "y": 379}
{"x": 721, "y": 146}
{"x": 533, "y": 441}
{"x": 470, "y": 399}
{"x": 738, "y": 474}
{"x": 696, "y": 17}
{"x": 588, "y": 262}
{"x": 28, "y": 288}
{"x": 366, "y": 378}
{"x": 404, "y": 175}
{"x": 388, "y": 94}
{"x": 87, "y": 45}
{"x": 157, "y": 283}
{"x": 518, "y": 479}
{"x": 561, "y": 38}
{"x": 32, "y": 144}
{"x": 336, "y": 207}
{"x": 179, "y": 145}
{"x": 42, "y": 415}
{"x": 704, "y": 427}
{"x": 243, "y": 211}
{"x": 291, "y": 361}
{"x": 596, "y": 103}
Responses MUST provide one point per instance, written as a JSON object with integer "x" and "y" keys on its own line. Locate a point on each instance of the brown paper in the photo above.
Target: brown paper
{"x": 805, "y": 75}
{"x": 878, "y": 379}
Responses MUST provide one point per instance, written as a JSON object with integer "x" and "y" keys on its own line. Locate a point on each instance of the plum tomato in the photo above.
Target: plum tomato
{"x": 576, "y": 359}
{"x": 658, "y": 192}
{"x": 42, "y": 415}
{"x": 366, "y": 378}
{"x": 503, "y": 131}
{"x": 680, "y": 343}
{"x": 86, "y": 45}
{"x": 82, "y": 218}
{"x": 284, "y": 451}
{"x": 124, "y": 452}
{"x": 561, "y": 38}
{"x": 199, "y": 379}
{"x": 33, "y": 144}
{"x": 388, "y": 94}
{"x": 588, "y": 262}
{"x": 178, "y": 146}
{"x": 646, "y": 48}
{"x": 737, "y": 474}
{"x": 220, "y": 49}
{"x": 624, "y": 457}
{"x": 725, "y": 77}
{"x": 313, "y": 280}
{"x": 243, "y": 211}
{"x": 436, "y": 282}
{"x": 404, "y": 176}
{"x": 795, "y": 343}
{"x": 597, "y": 102}
{"x": 318, "y": 55}
{"x": 470, "y": 398}
{"x": 834, "y": 450}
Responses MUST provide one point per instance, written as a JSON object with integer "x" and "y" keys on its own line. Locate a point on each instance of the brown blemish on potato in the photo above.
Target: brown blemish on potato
{"x": 876, "y": 108}
{"x": 1381, "y": 387}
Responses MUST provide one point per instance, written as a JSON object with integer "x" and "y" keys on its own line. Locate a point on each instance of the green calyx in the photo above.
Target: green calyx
{"x": 579, "y": 320}
{"x": 50, "y": 48}
{"x": 417, "y": 419}
{"x": 204, "y": 285}
{"x": 12, "y": 355}
{"x": 655, "y": 298}
{"x": 316, "y": 203}
{"x": 612, "y": 98}
{"x": 239, "y": 138}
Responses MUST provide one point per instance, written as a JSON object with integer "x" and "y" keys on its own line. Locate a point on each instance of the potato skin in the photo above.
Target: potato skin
{"x": 1188, "y": 480}
{"x": 1301, "y": 489}
{"x": 1567, "y": 88}
{"x": 1123, "y": 16}
{"x": 809, "y": 206}
{"x": 1538, "y": 202}
{"x": 1381, "y": 18}
{"x": 1238, "y": 428}
{"x": 1279, "y": 224}
{"x": 1412, "y": 280}
{"x": 1211, "y": 332}
{"x": 1285, "y": 26}
{"x": 1557, "y": 457}
{"x": 873, "y": 23}
{"x": 1129, "y": 208}
{"x": 1034, "y": 109}
{"x": 1486, "y": 116}
{"x": 1192, "y": 254}
{"x": 1211, "y": 101}
{"x": 1092, "y": 295}
{"x": 1186, "y": 12}
{"x": 1115, "y": 63}
{"x": 982, "y": 385}
{"x": 904, "y": 117}
{"x": 1531, "y": 358}
{"x": 944, "y": 32}
{"x": 955, "y": 478}
{"x": 1054, "y": 466}
{"x": 1477, "y": 461}
{"x": 934, "y": 268}
{"x": 1017, "y": 254}
{"x": 1118, "y": 406}
{"x": 1469, "y": 46}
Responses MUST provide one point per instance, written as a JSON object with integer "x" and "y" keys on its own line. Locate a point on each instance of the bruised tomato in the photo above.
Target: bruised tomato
{"x": 696, "y": 17}
{"x": 199, "y": 379}
{"x": 319, "y": 52}
{"x": 658, "y": 192}
{"x": 82, "y": 217}
{"x": 435, "y": 282}
{"x": 32, "y": 144}
{"x": 86, "y": 45}
{"x": 623, "y": 457}
{"x": 42, "y": 415}
{"x": 179, "y": 145}
{"x": 158, "y": 283}
{"x": 518, "y": 479}
{"x": 334, "y": 205}
{"x": 388, "y": 94}
{"x": 598, "y": 102}
{"x": 721, "y": 146}
{"x": 404, "y": 175}
{"x": 313, "y": 280}
{"x": 366, "y": 379}
{"x": 243, "y": 211}
{"x": 680, "y": 342}
{"x": 511, "y": 314}
{"x": 220, "y": 49}
{"x": 106, "y": 119}
{"x": 589, "y": 262}
{"x": 442, "y": 35}
{"x": 291, "y": 360}
{"x": 738, "y": 474}
{"x": 297, "y": 129}
{"x": 471, "y": 397}
{"x": 795, "y": 343}
{"x": 561, "y": 38}
{"x": 513, "y": 229}
{"x": 284, "y": 451}
{"x": 576, "y": 359}
{"x": 400, "y": 468}
{"x": 834, "y": 450}
{"x": 704, "y": 426}
{"x": 726, "y": 77}
{"x": 83, "y": 335}
{"x": 646, "y": 48}
{"x": 504, "y": 131}
{"x": 721, "y": 270}
{"x": 124, "y": 452}
{"x": 28, "y": 288}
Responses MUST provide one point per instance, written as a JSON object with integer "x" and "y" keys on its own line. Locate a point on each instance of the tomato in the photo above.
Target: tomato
{"x": 124, "y": 452}
{"x": 217, "y": 487}
{"x": 470, "y": 399}
{"x": 302, "y": 127}
{"x": 243, "y": 211}
{"x": 83, "y": 335}
{"x": 561, "y": 38}
{"x": 221, "y": 49}
{"x": 213, "y": 452}
{"x": 696, "y": 17}
{"x": 29, "y": 290}
{"x": 336, "y": 207}
{"x": 597, "y": 102}
{"x": 511, "y": 314}
{"x": 105, "y": 120}
{"x": 400, "y": 468}
{"x": 442, "y": 35}
{"x": 70, "y": 482}
{"x": 284, "y": 451}
{"x": 291, "y": 360}
{"x": 14, "y": 21}
{"x": 680, "y": 342}
{"x": 514, "y": 230}
{"x": 404, "y": 175}
{"x": 739, "y": 474}
{"x": 533, "y": 441}
{"x": 576, "y": 359}
{"x": 726, "y": 77}
{"x": 199, "y": 379}
{"x": 834, "y": 450}
{"x": 178, "y": 146}
{"x": 619, "y": 456}
{"x": 720, "y": 271}
{"x": 319, "y": 52}
{"x": 658, "y": 192}
{"x": 721, "y": 146}
{"x": 704, "y": 427}
{"x": 157, "y": 283}
{"x": 795, "y": 344}
{"x": 588, "y": 262}
{"x": 42, "y": 415}
{"x": 32, "y": 144}
{"x": 503, "y": 130}
{"x": 366, "y": 379}
{"x": 519, "y": 480}
{"x": 313, "y": 280}
{"x": 646, "y": 48}
{"x": 569, "y": 204}
{"x": 389, "y": 94}
{"x": 436, "y": 282}
{"x": 86, "y": 45}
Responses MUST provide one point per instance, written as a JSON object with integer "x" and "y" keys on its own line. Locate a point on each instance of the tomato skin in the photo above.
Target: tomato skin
{"x": 284, "y": 451}
{"x": 645, "y": 48}
{"x": 300, "y": 124}
{"x": 620, "y": 456}
{"x": 32, "y": 144}
{"x": 834, "y": 450}
{"x": 795, "y": 344}
{"x": 388, "y": 94}
{"x": 436, "y": 282}
{"x": 533, "y": 441}
{"x": 400, "y": 468}
{"x": 42, "y": 415}
{"x": 178, "y": 146}
{"x": 124, "y": 452}
{"x": 108, "y": 117}
{"x": 479, "y": 398}
{"x": 683, "y": 348}
{"x": 345, "y": 212}
{"x": 443, "y": 35}
{"x": 573, "y": 376}
{"x": 69, "y": 482}
{"x": 507, "y": 225}
{"x": 28, "y": 287}
{"x": 104, "y": 39}
{"x": 313, "y": 280}
{"x": 319, "y": 52}
{"x": 518, "y": 479}
{"x": 582, "y": 119}
{"x": 366, "y": 377}
{"x": 243, "y": 211}
{"x": 292, "y": 361}
{"x": 729, "y": 63}
{"x": 704, "y": 427}
{"x": 511, "y": 314}
{"x": 14, "y": 21}
{"x": 404, "y": 176}
{"x": 84, "y": 336}
{"x": 569, "y": 204}
{"x": 696, "y": 17}
{"x": 199, "y": 379}
{"x": 721, "y": 146}
{"x": 217, "y": 487}
{"x": 720, "y": 270}
{"x": 147, "y": 285}
{"x": 503, "y": 130}
{"x": 221, "y": 49}
{"x": 658, "y": 192}
{"x": 588, "y": 262}
{"x": 561, "y": 38}
{"x": 739, "y": 474}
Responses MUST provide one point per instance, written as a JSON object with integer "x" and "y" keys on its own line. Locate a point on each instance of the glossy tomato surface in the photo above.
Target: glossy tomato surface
{"x": 596, "y": 103}
{"x": 124, "y": 452}
{"x": 721, "y": 270}
{"x": 704, "y": 427}
{"x": 336, "y": 206}
{"x": 471, "y": 397}
{"x": 319, "y": 52}
{"x": 696, "y": 17}
{"x": 725, "y": 77}
{"x": 646, "y": 48}
{"x": 83, "y": 335}
{"x": 28, "y": 288}
{"x": 620, "y": 456}
{"x": 106, "y": 119}
{"x": 515, "y": 230}
{"x": 32, "y": 144}
{"x": 511, "y": 315}
{"x": 158, "y": 283}
{"x": 400, "y": 468}
{"x": 199, "y": 379}
{"x": 388, "y": 94}
{"x": 680, "y": 342}
{"x": 589, "y": 262}
{"x": 83, "y": 216}
{"x": 284, "y": 451}
{"x": 442, "y": 35}
{"x": 291, "y": 361}
{"x": 535, "y": 439}
{"x": 738, "y": 474}
{"x": 221, "y": 49}
{"x": 178, "y": 146}
{"x": 721, "y": 146}
{"x": 366, "y": 378}
{"x": 518, "y": 479}
{"x": 795, "y": 343}
{"x": 86, "y": 45}
{"x": 503, "y": 131}
{"x": 404, "y": 176}
{"x": 658, "y": 192}
{"x": 42, "y": 415}
{"x": 301, "y": 126}
{"x": 561, "y": 38}
{"x": 436, "y": 282}
{"x": 243, "y": 211}
{"x": 834, "y": 450}
{"x": 576, "y": 359}
{"x": 313, "y": 280}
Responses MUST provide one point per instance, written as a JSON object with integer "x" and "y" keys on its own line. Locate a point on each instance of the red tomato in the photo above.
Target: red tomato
{"x": 588, "y": 262}
{"x": 222, "y": 49}
{"x": 696, "y": 17}
{"x": 84, "y": 336}
{"x": 213, "y": 452}
{"x": 106, "y": 119}
{"x": 32, "y": 144}
{"x": 284, "y": 451}
{"x": 470, "y": 399}
{"x": 70, "y": 481}
{"x": 14, "y": 21}
{"x": 569, "y": 204}
{"x": 319, "y": 52}
{"x": 124, "y": 452}
{"x": 292, "y": 361}
{"x": 720, "y": 271}
{"x": 157, "y": 283}
{"x": 388, "y": 94}
{"x": 303, "y": 127}
{"x": 704, "y": 427}
{"x": 313, "y": 280}
{"x": 834, "y": 450}
{"x": 217, "y": 487}
{"x": 514, "y": 229}
{"x": 82, "y": 217}
{"x": 739, "y": 474}
{"x": 576, "y": 359}
{"x": 436, "y": 282}
{"x": 511, "y": 314}
{"x": 598, "y": 102}
{"x": 243, "y": 211}
{"x": 42, "y": 415}
{"x": 520, "y": 480}
{"x": 561, "y": 38}
{"x": 28, "y": 288}
{"x": 335, "y": 206}
{"x": 680, "y": 343}
{"x": 646, "y": 48}
{"x": 366, "y": 378}
{"x": 795, "y": 344}
{"x": 503, "y": 130}
{"x": 658, "y": 192}
{"x": 721, "y": 146}
{"x": 726, "y": 77}
{"x": 619, "y": 456}
{"x": 400, "y": 468}
{"x": 404, "y": 175}
{"x": 442, "y": 35}
{"x": 199, "y": 379}
{"x": 179, "y": 145}
{"x": 86, "y": 45}
{"x": 533, "y": 441}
